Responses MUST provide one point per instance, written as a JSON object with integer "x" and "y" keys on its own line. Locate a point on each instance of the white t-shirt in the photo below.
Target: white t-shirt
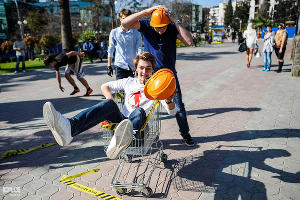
{"x": 134, "y": 95}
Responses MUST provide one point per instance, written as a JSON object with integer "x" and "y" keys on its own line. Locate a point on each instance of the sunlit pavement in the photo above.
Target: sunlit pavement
{"x": 246, "y": 123}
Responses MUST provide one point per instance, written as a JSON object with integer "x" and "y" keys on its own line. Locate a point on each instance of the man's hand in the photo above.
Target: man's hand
{"x": 61, "y": 88}
{"x": 110, "y": 71}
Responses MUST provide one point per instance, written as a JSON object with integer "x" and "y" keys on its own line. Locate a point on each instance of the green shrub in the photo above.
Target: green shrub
{"x": 48, "y": 41}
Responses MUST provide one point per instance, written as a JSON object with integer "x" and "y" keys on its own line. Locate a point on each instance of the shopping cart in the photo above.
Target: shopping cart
{"x": 137, "y": 163}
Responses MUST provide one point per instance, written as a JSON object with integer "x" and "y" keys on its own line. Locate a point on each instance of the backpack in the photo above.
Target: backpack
{"x": 243, "y": 47}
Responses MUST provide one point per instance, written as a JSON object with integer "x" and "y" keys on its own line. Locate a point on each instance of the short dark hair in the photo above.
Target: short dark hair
{"x": 48, "y": 60}
{"x": 125, "y": 12}
{"x": 269, "y": 25}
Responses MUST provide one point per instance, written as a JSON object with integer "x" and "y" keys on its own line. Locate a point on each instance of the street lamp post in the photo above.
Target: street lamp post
{"x": 82, "y": 25}
{"x": 21, "y": 24}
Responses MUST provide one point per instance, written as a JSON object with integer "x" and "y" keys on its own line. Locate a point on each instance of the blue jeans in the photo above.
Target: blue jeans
{"x": 122, "y": 73}
{"x": 105, "y": 110}
{"x": 267, "y": 60}
{"x": 18, "y": 62}
{"x": 181, "y": 113}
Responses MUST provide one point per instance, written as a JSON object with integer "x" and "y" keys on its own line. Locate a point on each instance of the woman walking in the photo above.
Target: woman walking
{"x": 269, "y": 38}
{"x": 251, "y": 39}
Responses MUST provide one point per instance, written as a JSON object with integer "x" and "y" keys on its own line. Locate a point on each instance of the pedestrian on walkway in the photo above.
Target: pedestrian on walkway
{"x": 20, "y": 46}
{"x": 135, "y": 107}
{"x": 280, "y": 45}
{"x": 104, "y": 48}
{"x": 73, "y": 62}
{"x": 240, "y": 37}
{"x": 251, "y": 40}
{"x": 88, "y": 49}
{"x": 160, "y": 35}
{"x": 269, "y": 38}
{"x": 126, "y": 43}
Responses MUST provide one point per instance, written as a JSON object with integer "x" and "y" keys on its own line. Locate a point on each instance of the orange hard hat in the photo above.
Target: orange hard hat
{"x": 159, "y": 18}
{"x": 161, "y": 85}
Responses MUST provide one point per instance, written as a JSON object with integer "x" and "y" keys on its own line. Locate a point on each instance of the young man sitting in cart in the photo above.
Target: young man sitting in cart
{"x": 136, "y": 106}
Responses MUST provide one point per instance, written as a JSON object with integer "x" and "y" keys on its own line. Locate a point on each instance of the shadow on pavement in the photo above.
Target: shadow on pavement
{"x": 202, "y": 55}
{"x": 25, "y": 111}
{"x": 203, "y": 113}
{"x": 175, "y": 144}
{"x": 47, "y": 73}
{"x": 236, "y": 182}
{"x": 55, "y": 156}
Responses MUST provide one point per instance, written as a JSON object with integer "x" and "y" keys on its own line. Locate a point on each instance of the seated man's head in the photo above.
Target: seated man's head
{"x": 124, "y": 13}
{"x": 144, "y": 65}
{"x": 50, "y": 61}
{"x": 159, "y": 21}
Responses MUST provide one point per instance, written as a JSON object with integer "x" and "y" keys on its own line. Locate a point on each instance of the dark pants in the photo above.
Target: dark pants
{"x": 280, "y": 55}
{"x": 18, "y": 62}
{"x": 90, "y": 54}
{"x": 123, "y": 73}
{"x": 105, "y": 110}
{"x": 181, "y": 113}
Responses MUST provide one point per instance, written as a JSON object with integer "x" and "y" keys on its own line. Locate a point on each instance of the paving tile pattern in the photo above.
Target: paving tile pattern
{"x": 245, "y": 122}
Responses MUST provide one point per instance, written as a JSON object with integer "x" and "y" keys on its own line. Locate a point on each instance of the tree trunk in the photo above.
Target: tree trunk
{"x": 66, "y": 29}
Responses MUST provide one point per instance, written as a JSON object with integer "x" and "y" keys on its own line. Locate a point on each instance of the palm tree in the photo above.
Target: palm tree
{"x": 66, "y": 29}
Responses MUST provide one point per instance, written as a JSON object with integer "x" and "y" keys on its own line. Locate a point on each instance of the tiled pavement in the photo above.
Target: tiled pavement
{"x": 246, "y": 123}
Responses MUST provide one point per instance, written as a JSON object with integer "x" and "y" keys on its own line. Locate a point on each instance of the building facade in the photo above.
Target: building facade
{"x": 3, "y": 23}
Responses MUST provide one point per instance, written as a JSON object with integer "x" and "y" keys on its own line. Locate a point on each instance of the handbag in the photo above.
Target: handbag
{"x": 243, "y": 47}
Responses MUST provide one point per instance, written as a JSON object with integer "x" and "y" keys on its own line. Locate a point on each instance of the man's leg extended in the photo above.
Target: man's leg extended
{"x": 64, "y": 129}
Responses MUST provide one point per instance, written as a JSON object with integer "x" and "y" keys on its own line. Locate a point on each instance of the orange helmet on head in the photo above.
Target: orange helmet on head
{"x": 161, "y": 85}
{"x": 159, "y": 18}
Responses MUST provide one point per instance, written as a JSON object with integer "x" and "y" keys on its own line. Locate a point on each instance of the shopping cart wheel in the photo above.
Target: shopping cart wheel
{"x": 163, "y": 157}
{"x": 147, "y": 192}
{"x": 121, "y": 191}
{"x": 128, "y": 158}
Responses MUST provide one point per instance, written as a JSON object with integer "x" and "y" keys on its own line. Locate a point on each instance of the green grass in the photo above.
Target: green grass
{"x": 29, "y": 66}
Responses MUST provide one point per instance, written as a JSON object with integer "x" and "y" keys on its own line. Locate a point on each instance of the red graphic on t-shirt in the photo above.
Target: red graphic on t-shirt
{"x": 137, "y": 98}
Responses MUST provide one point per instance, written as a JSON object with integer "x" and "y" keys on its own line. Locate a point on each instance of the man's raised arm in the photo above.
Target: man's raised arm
{"x": 132, "y": 21}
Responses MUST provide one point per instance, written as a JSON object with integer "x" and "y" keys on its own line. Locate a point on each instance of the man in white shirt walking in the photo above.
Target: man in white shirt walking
{"x": 127, "y": 43}
{"x": 19, "y": 47}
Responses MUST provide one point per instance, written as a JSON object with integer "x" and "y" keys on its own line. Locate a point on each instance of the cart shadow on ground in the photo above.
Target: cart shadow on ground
{"x": 226, "y": 174}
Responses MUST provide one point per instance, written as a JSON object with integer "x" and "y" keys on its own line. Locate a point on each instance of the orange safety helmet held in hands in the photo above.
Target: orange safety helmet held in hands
{"x": 159, "y": 18}
{"x": 161, "y": 85}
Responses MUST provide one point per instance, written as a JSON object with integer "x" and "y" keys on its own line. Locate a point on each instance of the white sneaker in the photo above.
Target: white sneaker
{"x": 59, "y": 125}
{"x": 121, "y": 139}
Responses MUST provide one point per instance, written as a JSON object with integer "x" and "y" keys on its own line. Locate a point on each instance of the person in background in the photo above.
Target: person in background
{"x": 233, "y": 36}
{"x": 103, "y": 49}
{"x": 72, "y": 61}
{"x": 88, "y": 49}
{"x": 269, "y": 38}
{"x": 240, "y": 37}
{"x": 280, "y": 45}
{"x": 20, "y": 46}
{"x": 160, "y": 36}
{"x": 251, "y": 40}
{"x": 126, "y": 43}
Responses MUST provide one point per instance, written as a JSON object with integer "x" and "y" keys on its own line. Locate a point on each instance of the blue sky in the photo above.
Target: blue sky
{"x": 207, "y": 3}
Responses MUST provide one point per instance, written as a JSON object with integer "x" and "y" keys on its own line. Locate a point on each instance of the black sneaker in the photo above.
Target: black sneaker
{"x": 188, "y": 141}
{"x": 75, "y": 91}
